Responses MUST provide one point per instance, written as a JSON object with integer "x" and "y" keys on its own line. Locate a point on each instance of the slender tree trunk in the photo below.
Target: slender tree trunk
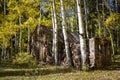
{"x": 81, "y": 35}
{"x": 3, "y": 49}
{"x": 112, "y": 44}
{"x": 20, "y": 37}
{"x": 3, "y": 46}
{"x": 20, "y": 33}
{"x": 116, "y": 3}
{"x": 98, "y": 15}
{"x": 86, "y": 29}
{"x": 16, "y": 43}
{"x": 111, "y": 38}
{"x": 28, "y": 46}
{"x": 4, "y": 7}
{"x": 117, "y": 30}
{"x": 117, "y": 43}
{"x": 11, "y": 49}
{"x": 68, "y": 15}
{"x": 86, "y": 19}
{"x": 109, "y": 5}
{"x": 64, "y": 28}
{"x": 55, "y": 31}
{"x": 53, "y": 25}
{"x": 71, "y": 19}
{"x": 72, "y": 22}
{"x": 40, "y": 15}
{"x": 103, "y": 14}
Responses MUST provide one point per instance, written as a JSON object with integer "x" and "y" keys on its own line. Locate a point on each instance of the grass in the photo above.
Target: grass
{"x": 9, "y": 72}
{"x": 57, "y": 73}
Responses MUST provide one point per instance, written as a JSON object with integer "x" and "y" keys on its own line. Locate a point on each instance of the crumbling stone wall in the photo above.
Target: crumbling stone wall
{"x": 100, "y": 52}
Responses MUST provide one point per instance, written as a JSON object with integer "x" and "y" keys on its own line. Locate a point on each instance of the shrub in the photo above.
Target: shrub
{"x": 24, "y": 60}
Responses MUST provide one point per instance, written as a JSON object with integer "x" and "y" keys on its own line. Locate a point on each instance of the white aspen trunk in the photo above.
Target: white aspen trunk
{"x": 55, "y": 31}
{"x": 53, "y": 25}
{"x": 64, "y": 27}
{"x": 81, "y": 35}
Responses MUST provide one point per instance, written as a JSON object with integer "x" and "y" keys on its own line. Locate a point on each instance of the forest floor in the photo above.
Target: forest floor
{"x": 59, "y": 73}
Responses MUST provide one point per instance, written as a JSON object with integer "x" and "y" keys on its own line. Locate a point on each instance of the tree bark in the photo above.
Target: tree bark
{"x": 98, "y": 15}
{"x": 111, "y": 38}
{"x": 28, "y": 46}
{"x": 64, "y": 28}
{"x": 20, "y": 30}
{"x": 40, "y": 15}
{"x": 53, "y": 25}
{"x": 81, "y": 35}
{"x": 86, "y": 29}
{"x": 86, "y": 20}
{"x": 55, "y": 31}
{"x": 3, "y": 43}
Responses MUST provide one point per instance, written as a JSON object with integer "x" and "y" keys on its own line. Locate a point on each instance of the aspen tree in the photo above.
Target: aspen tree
{"x": 55, "y": 32}
{"x": 64, "y": 29}
{"x": 81, "y": 35}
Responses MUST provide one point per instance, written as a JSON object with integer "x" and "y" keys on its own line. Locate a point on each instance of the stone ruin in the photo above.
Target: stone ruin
{"x": 41, "y": 48}
{"x": 99, "y": 52}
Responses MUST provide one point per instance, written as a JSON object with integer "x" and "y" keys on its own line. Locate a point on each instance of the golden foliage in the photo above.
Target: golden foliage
{"x": 113, "y": 20}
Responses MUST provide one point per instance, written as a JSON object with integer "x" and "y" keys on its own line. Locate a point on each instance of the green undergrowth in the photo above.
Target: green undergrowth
{"x": 47, "y": 72}
{"x": 57, "y": 73}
